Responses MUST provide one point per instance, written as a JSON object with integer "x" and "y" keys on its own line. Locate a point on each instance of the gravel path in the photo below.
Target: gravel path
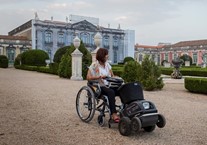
{"x": 39, "y": 109}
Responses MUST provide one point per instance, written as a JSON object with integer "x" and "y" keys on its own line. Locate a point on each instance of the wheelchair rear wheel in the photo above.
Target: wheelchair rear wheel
{"x": 85, "y": 104}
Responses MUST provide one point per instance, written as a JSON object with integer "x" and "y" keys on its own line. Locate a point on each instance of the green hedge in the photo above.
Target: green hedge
{"x": 42, "y": 69}
{"x": 196, "y": 85}
{"x": 186, "y": 71}
{"x": 3, "y": 61}
{"x": 26, "y": 67}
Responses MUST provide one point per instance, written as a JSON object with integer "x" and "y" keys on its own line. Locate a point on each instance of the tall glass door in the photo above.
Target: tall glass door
{"x": 11, "y": 55}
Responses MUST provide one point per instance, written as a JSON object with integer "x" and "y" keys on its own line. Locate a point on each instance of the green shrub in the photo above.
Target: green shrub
{"x": 196, "y": 85}
{"x": 34, "y": 57}
{"x": 59, "y": 53}
{"x": 132, "y": 72}
{"x": 150, "y": 77}
{"x": 127, "y": 59}
{"x": 148, "y": 74}
{"x": 4, "y": 61}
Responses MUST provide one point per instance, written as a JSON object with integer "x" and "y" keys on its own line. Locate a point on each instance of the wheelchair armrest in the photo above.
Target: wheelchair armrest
{"x": 93, "y": 82}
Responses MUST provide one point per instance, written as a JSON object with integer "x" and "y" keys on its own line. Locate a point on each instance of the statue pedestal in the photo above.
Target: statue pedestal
{"x": 187, "y": 63}
{"x": 167, "y": 64}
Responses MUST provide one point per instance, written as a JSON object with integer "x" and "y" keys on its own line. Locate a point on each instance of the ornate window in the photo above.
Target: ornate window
{"x": 61, "y": 38}
{"x": 115, "y": 42}
{"x": 1, "y": 51}
{"x": 48, "y": 37}
{"x": 204, "y": 57}
{"x": 175, "y": 55}
{"x": 115, "y": 56}
{"x": 106, "y": 41}
{"x": 140, "y": 57}
{"x": 85, "y": 38}
{"x": 195, "y": 57}
{"x": 23, "y": 49}
{"x": 166, "y": 56}
{"x": 92, "y": 39}
{"x": 49, "y": 53}
{"x": 11, "y": 55}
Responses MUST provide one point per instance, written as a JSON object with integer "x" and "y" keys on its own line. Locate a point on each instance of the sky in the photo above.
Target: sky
{"x": 154, "y": 21}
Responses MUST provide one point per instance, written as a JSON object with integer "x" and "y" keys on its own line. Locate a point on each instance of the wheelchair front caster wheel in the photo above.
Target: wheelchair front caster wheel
{"x": 101, "y": 120}
{"x": 125, "y": 126}
{"x": 161, "y": 121}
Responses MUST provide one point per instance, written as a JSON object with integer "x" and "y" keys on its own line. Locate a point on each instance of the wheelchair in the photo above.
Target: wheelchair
{"x": 135, "y": 112}
{"x": 89, "y": 99}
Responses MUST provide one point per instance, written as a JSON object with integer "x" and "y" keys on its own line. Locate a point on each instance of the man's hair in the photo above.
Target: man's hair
{"x": 101, "y": 54}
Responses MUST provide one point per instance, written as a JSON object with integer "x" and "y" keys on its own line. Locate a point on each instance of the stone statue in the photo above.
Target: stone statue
{"x": 176, "y": 72}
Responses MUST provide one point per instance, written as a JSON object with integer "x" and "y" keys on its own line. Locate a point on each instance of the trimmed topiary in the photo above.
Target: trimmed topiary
{"x": 34, "y": 57}
{"x": 59, "y": 53}
{"x": 3, "y": 61}
{"x": 127, "y": 59}
{"x": 186, "y": 57}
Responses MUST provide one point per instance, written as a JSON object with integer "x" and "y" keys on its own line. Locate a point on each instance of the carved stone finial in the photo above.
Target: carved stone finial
{"x": 36, "y": 16}
{"x": 98, "y": 27}
{"x": 119, "y": 26}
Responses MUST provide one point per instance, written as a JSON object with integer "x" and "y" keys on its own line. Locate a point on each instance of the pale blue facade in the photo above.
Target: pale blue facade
{"x": 51, "y": 35}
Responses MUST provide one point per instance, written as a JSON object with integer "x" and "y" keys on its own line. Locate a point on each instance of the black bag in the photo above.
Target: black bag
{"x": 131, "y": 92}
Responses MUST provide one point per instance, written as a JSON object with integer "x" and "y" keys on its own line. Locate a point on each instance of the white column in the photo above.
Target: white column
{"x": 76, "y": 61}
{"x": 76, "y": 65}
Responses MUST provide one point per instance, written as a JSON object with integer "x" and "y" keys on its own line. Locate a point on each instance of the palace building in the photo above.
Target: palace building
{"x": 11, "y": 46}
{"x": 196, "y": 49}
{"x": 50, "y": 35}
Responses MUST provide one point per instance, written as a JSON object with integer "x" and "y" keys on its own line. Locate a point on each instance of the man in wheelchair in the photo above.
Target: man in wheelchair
{"x": 99, "y": 70}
